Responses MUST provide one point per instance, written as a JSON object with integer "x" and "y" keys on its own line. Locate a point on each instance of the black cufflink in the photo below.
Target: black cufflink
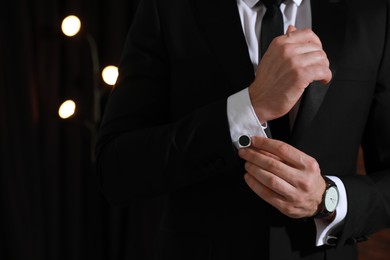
{"x": 244, "y": 141}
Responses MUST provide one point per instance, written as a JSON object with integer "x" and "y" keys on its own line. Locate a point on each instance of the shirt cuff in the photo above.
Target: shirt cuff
{"x": 323, "y": 227}
{"x": 242, "y": 117}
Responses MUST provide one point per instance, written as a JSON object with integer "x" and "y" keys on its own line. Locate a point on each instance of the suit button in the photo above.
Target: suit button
{"x": 331, "y": 241}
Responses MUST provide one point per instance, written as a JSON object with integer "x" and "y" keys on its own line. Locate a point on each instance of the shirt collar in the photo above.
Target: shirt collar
{"x": 252, "y": 3}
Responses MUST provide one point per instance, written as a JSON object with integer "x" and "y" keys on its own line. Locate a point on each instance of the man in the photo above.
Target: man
{"x": 193, "y": 107}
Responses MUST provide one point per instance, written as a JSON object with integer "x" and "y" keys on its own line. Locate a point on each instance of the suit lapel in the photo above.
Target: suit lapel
{"x": 328, "y": 22}
{"x": 220, "y": 21}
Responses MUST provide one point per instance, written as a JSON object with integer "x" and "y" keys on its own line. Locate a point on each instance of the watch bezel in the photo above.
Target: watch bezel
{"x": 323, "y": 210}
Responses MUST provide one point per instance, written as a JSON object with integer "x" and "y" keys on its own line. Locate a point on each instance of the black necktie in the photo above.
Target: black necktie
{"x": 272, "y": 24}
{"x": 271, "y": 27}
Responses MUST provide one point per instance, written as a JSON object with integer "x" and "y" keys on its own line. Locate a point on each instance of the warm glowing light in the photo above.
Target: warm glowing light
{"x": 67, "y": 109}
{"x": 71, "y": 25}
{"x": 110, "y": 75}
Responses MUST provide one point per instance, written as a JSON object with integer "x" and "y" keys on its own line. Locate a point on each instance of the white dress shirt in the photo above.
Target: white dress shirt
{"x": 241, "y": 115}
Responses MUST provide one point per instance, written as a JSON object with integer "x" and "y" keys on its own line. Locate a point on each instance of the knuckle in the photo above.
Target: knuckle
{"x": 293, "y": 62}
{"x": 307, "y": 30}
{"x": 282, "y": 148}
{"x": 290, "y": 197}
{"x": 322, "y": 55}
{"x": 305, "y": 186}
{"x": 324, "y": 58}
{"x": 250, "y": 181}
{"x": 272, "y": 165}
{"x": 283, "y": 207}
{"x": 298, "y": 73}
{"x": 322, "y": 72}
{"x": 249, "y": 167}
{"x": 272, "y": 182}
{"x": 289, "y": 210}
{"x": 252, "y": 184}
{"x": 312, "y": 165}
{"x": 250, "y": 156}
{"x": 286, "y": 50}
{"x": 278, "y": 41}
{"x": 312, "y": 35}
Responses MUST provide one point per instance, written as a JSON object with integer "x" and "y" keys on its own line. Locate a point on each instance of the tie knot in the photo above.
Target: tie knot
{"x": 269, "y": 3}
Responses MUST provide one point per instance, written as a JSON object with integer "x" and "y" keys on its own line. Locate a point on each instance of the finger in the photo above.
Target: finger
{"x": 313, "y": 56}
{"x": 284, "y": 151}
{"x": 271, "y": 171}
{"x": 310, "y": 67}
{"x": 279, "y": 202}
{"x": 304, "y": 48}
{"x": 319, "y": 72}
{"x": 301, "y": 36}
{"x": 269, "y": 154}
{"x": 263, "y": 191}
{"x": 301, "y": 56}
{"x": 245, "y": 150}
{"x": 272, "y": 198}
{"x": 290, "y": 29}
{"x": 273, "y": 181}
{"x": 262, "y": 160}
{"x": 309, "y": 64}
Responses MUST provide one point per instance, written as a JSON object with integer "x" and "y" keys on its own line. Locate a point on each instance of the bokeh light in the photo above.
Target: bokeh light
{"x": 67, "y": 109}
{"x": 110, "y": 75}
{"x": 71, "y": 25}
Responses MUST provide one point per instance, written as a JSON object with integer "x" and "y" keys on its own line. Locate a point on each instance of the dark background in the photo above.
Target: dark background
{"x": 50, "y": 205}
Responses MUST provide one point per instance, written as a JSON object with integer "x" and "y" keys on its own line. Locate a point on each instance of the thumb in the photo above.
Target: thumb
{"x": 291, "y": 28}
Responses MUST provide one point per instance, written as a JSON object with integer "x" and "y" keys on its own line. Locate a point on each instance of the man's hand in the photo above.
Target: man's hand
{"x": 283, "y": 176}
{"x": 291, "y": 63}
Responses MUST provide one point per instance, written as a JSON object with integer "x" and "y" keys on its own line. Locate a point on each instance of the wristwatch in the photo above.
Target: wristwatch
{"x": 244, "y": 141}
{"x": 330, "y": 199}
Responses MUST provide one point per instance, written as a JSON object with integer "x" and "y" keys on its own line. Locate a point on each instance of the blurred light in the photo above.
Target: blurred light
{"x": 110, "y": 75}
{"x": 71, "y": 25}
{"x": 67, "y": 109}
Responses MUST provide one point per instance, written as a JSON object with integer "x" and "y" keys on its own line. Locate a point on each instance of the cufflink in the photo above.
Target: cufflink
{"x": 244, "y": 141}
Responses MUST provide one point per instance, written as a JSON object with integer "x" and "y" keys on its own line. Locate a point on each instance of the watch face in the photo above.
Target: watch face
{"x": 331, "y": 199}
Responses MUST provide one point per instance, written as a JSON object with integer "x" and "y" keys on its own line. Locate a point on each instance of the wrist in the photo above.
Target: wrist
{"x": 330, "y": 218}
{"x": 257, "y": 104}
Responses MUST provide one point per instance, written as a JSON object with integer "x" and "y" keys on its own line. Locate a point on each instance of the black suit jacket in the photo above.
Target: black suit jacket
{"x": 165, "y": 130}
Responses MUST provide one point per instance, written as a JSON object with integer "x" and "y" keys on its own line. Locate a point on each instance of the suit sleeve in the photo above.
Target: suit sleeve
{"x": 142, "y": 150}
{"x": 369, "y": 195}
